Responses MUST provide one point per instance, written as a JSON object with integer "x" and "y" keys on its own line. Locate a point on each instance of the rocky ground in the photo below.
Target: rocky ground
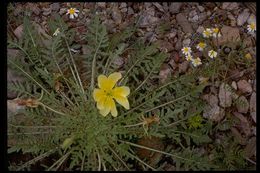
{"x": 173, "y": 25}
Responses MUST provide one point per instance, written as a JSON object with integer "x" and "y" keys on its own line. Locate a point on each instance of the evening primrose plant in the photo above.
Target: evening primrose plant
{"x": 88, "y": 111}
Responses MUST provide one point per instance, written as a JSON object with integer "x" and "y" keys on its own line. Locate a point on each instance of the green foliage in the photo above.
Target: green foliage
{"x": 67, "y": 121}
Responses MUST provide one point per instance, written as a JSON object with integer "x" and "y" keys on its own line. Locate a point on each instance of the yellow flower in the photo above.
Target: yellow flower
{"x": 72, "y": 12}
{"x": 186, "y": 50}
{"x": 252, "y": 27}
{"x": 212, "y": 54}
{"x": 108, "y": 92}
{"x": 216, "y": 33}
{"x": 201, "y": 46}
{"x": 57, "y": 31}
{"x": 188, "y": 57}
{"x": 207, "y": 33}
{"x": 196, "y": 62}
{"x": 248, "y": 56}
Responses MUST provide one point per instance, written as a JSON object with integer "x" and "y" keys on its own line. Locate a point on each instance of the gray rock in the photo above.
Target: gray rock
{"x": 119, "y": 61}
{"x": 234, "y": 85}
{"x": 225, "y": 99}
{"x": 183, "y": 66}
{"x": 116, "y": 16}
{"x": 165, "y": 6}
{"x": 64, "y": 10}
{"x": 195, "y": 18}
{"x": 46, "y": 11}
{"x": 229, "y": 35}
{"x": 230, "y": 6}
{"x": 148, "y": 20}
{"x": 253, "y": 106}
{"x": 211, "y": 99}
{"x": 242, "y": 17}
{"x": 244, "y": 86}
{"x": 123, "y": 5}
{"x": 55, "y": 6}
{"x": 123, "y": 10}
{"x": 186, "y": 42}
{"x": 201, "y": 8}
{"x": 158, "y": 6}
{"x": 251, "y": 19}
{"x": 18, "y": 32}
{"x": 183, "y": 22}
{"x": 101, "y": 4}
{"x": 214, "y": 113}
{"x": 130, "y": 11}
{"x": 242, "y": 104}
{"x": 200, "y": 29}
{"x": 147, "y": 4}
{"x": 175, "y": 7}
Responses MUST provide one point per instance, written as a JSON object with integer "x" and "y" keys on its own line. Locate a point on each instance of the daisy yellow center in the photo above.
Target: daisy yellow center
{"x": 252, "y": 26}
{"x": 197, "y": 61}
{"x": 215, "y": 30}
{"x": 71, "y": 11}
{"x": 202, "y": 45}
{"x": 186, "y": 49}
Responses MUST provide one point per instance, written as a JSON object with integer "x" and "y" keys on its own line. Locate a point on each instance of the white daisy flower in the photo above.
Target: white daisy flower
{"x": 188, "y": 58}
{"x": 186, "y": 50}
{"x": 72, "y": 12}
{"x": 216, "y": 33}
{"x": 57, "y": 31}
{"x": 212, "y": 54}
{"x": 252, "y": 27}
{"x": 196, "y": 62}
{"x": 207, "y": 33}
{"x": 201, "y": 46}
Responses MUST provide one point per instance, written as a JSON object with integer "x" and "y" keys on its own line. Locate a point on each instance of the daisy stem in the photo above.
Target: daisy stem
{"x": 56, "y": 62}
{"x": 93, "y": 66}
{"x": 73, "y": 62}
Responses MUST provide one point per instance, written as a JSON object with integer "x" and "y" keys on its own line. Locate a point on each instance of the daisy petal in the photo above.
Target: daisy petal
{"x": 71, "y": 16}
{"x": 75, "y": 14}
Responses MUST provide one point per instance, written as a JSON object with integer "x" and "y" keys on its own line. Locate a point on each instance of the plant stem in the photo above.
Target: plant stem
{"x": 170, "y": 102}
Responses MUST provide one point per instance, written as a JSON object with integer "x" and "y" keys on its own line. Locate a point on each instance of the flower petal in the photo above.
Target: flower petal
{"x": 121, "y": 91}
{"x": 113, "y": 109}
{"x": 115, "y": 76}
{"x": 75, "y": 14}
{"x": 71, "y": 16}
{"x": 108, "y": 83}
{"x": 100, "y": 104}
{"x": 103, "y": 82}
{"x": 98, "y": 94}
{"x": 104, "y": 111}
{"x": 122, "y": 101}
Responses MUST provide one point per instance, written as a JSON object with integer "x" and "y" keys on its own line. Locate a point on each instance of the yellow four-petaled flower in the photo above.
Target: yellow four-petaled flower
{"x": 109, "y": 93}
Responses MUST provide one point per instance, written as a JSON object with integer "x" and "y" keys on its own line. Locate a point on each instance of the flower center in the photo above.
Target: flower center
{"x": 252, "y": 26}
{"x": 108, "y": 93}
{"x": 71, "y": 11}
